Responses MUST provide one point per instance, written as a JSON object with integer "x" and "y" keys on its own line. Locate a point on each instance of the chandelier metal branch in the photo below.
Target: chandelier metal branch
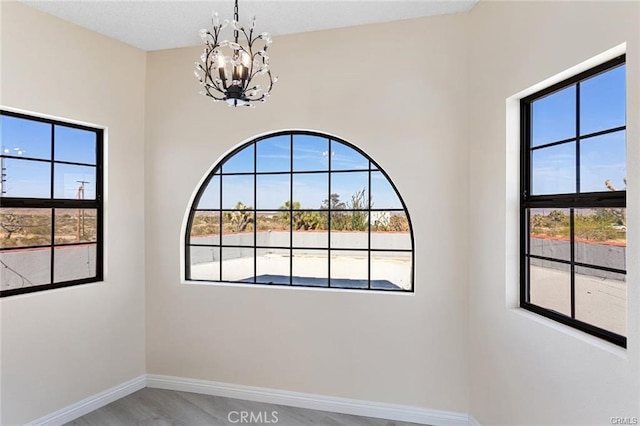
{"x": 233, "y": 77}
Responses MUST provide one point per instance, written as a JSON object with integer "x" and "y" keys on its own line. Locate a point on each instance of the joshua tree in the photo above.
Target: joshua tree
{"x": 334, "y": 202}
{"x": 240, "y": 218}
{"x": 301, "y": 219}
{"x": 10, "y": 223}
{"x": 611, "y": 187}
{"x": 620, "y": 214}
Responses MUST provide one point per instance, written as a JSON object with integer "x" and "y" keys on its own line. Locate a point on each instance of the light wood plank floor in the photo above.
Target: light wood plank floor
{"x": 164, "y": 407}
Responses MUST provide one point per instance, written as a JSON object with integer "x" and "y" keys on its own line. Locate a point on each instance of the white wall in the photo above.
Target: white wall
{"x": 399, "y": 92}
{"x": 64, "y": 345}
{"x": 442, "y": 138}
{"x": 525, "y": 369}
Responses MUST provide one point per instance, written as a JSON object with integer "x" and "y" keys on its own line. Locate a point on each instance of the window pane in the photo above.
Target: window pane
{"x": 390, "y": 230}
{"x": 273, "y": 229}
{"x": 383, "y": 196}
{"x": 550, "y": 285}
{"x": 205, "y": 263}
{"x": 205, "y": 228}
{"x": 554, "y": 117}
{"x": 74, "y": 182}
{"x": 273, "y": 266}
{"x": 601, "y": 299}
{"x": 344, "y": 157}
{"x": 274, "y": 154}
{"x": 25, "y": 138}
{"x": 310, "y": 190}
{"x": 310, "y": 268}
{"x": 26, "y": 179}
{"x": 310, "y": 153}
{"x": 350, "y": 229}
{"x": 603, "y": 101}
{"x": 76, "y": 225}
{"x": 601, "y": 237}
{"x": 75, "y": 145}
{"x": 390, "y": 270}
{"x": 550, "y": 233}
{"x": 237, "y": 228}
{"x": 553, "y": 169}
{"x": 272, "y": 191}
{"x": 603, "y": 163}
{"x": 237, "y": 264}
{"x": 240, "y": 162}
{"x": 237, "y": 192}
{"x": 24, "y": 227}
{"x": 74, "y": 262}
{"x": 25, "y": 268}
{"x": 210, "y": 198}
{"x": 310, "y": 229}
{"x": 349, "y": 269}
{"x": 352, "y": 188}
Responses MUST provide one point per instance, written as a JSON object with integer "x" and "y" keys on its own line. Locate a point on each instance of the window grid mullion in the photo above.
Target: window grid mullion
{"x": 578, "y": 185}
{"x": 291, "y": 210}
{"x": 572, "y": 256}
{"x": 369, "y": 230}
{"x": 53, "y": 210}
{"x": 220, "y": 231}
{"x": 572, "y": 213}
{"x": 329, "y": 161}
{"x": 255, "y": 214}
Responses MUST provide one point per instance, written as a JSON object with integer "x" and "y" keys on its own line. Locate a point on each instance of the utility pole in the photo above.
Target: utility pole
{"x": 3, "y": 177}
{"x": 80, "y": 196}
{"x": 3, "y": 170}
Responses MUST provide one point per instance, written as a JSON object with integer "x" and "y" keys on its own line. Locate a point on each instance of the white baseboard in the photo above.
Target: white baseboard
{"x": 91, "y": 403}
{"x": 312, "y": 401}
{"x": 271, "y": 396}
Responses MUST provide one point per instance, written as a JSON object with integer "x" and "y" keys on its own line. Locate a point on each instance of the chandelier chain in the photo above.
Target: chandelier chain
{"x": 236, "y": 18}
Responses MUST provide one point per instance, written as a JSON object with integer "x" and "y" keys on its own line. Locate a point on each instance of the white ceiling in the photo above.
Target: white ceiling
{"x": 155, "y": 25}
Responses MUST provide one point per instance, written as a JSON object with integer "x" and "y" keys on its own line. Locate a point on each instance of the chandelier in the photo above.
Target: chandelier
{"x": 232, "y": 77}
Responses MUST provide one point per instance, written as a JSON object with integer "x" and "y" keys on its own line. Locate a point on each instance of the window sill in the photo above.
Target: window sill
{"x": 296, "y": 288}
{"x": 572, "y": 332}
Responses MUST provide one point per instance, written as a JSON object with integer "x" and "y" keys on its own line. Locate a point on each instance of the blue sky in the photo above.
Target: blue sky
{"x": 310, "y": 153}
{"x": 602, "y": 106}
{"x": 32, "y": 139}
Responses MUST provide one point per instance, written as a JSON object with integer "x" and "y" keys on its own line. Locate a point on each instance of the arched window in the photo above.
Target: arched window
{"x": 300, "y": 208}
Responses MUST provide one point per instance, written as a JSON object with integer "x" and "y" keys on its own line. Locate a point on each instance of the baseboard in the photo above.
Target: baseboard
{"x": 91, "y": 403}
{"x": 312, "y": 401}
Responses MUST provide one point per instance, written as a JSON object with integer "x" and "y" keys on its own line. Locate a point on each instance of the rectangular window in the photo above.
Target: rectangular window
{"x": 50, "y": 204}
{"x": 573, "y": 202}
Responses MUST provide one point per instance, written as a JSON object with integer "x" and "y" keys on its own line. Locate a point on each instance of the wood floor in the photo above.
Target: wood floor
{"x": 163, "y": 407}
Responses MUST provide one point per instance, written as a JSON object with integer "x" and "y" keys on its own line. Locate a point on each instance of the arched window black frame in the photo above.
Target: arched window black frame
{"x": 375, "y": 252}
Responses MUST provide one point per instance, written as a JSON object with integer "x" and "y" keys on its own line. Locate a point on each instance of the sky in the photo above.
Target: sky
{"x": 602, "y": 106}
{"x": 310, "y": 153}
{"x": 29, "y": 139}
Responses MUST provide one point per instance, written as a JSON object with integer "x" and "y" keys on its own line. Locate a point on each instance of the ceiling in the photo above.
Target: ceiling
{"x": 155, "y": 25}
